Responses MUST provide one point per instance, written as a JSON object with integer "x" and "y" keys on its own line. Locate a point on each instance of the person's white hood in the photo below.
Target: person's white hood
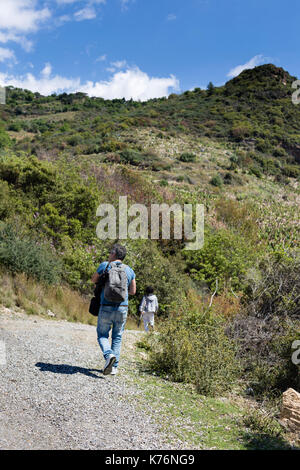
{"x": 151, "y": 297}
{"x": 149, "y": 303}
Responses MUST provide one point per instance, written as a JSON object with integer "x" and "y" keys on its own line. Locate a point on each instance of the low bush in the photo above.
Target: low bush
{"x": 4, "y": 138}
{"x": 263, "y": 431}
{"x": 269, "y": 325}
{"x": 254, "y": 170}
{"x": 291, "y": 171}
{"x": 265, "y": 351}
{"x": 192, "y": 347}
{"x": 216, "y": 181}
{"x": 23, "y": 255}
{"x": 225, "y": 257}
{"x": 132, "y": 156}
{"x": 187, "y": 157}
{"x": 274, "y": 288}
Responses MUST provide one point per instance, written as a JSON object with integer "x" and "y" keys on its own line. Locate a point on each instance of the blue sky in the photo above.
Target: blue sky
{"x": 142, "y": 48}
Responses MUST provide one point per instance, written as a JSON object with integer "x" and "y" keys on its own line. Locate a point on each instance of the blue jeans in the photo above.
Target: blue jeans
{"x": 111, "y": 317}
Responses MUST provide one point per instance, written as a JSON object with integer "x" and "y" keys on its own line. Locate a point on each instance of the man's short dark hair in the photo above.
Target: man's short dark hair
{"x": 119, "y": 251}
{"x": 149, "y": 290}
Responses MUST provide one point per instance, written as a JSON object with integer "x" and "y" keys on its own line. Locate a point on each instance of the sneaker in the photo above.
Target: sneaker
{"x": 109, "y": 364}
{"x": 114, "y": 371}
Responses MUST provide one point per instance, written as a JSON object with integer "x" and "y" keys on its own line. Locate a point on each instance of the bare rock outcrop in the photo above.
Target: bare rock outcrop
{"x": 290, "y": 411}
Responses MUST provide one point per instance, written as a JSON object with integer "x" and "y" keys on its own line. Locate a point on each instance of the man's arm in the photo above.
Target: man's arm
{"x": 132, "y": 287}
{"x": 96, "y": 275}
{"x": 95, "y": 278}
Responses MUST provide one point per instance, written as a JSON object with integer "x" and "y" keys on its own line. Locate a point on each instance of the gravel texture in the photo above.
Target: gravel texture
{"x": 53, "y": 394}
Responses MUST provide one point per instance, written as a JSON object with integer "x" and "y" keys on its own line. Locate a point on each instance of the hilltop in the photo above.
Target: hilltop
{"x": 254, "y": 108}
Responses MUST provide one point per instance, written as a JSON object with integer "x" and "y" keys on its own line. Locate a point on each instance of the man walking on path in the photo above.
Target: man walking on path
{"x": 113, "y": 314}
{"x": 148, "y": 307}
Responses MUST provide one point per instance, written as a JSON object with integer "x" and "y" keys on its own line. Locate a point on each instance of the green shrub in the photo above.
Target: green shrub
{"x": 279, "y": 152}
{"x": 165, "y": 274}
{"x": 132, "y": 156}
{"x": 192, "y": 347}
{"x": 225, "y": 256}
{"x": 180, "y": 178}
{"x": 79, "y": 266}
{"x": 4, "y": 138}
{"x": 22, "y": 254}
{"x": 187, "y": 157}
{"x": 216, "y": 181}
{"x": 263, "y": 145}
{"x": 113, "y": 146}
{"x": 292, "y": 171}
{"x": 74, "y": 140}
{"x": 15, "y": 126}
{"x": 254, "y": 170}
{"x": 263, "y": 431}
{"x": 240, "y": 130}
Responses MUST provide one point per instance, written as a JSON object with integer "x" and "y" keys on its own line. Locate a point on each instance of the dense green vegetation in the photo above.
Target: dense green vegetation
{"x": 235, "y": 149}
{"x": 255, "y": 110}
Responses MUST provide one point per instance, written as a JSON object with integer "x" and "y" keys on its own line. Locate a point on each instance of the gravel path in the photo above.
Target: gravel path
{"x": 54, "y": 396}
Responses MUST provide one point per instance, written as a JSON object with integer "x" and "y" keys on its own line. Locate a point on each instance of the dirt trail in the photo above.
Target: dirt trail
{"x": 53, "y": 394}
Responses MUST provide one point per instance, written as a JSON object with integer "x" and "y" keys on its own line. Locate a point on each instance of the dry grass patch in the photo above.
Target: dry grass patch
{"x": 40, "y": 299}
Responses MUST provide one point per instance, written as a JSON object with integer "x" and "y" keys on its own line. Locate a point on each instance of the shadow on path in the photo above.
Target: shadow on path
{"x": 67, "y": 369}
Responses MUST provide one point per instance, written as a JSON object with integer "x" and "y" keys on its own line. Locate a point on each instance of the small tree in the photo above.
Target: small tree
{"x": 210, "y": 88}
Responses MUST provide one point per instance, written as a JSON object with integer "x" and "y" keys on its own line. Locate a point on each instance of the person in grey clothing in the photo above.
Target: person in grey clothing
{"x": 148, "y": 308}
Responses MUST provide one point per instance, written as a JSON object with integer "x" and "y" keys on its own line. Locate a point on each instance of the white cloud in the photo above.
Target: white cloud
{"x": 132, "y": 83}
{"x": 101, "y": 58}
{"x": 125, "y": 3}
{"x": 254, "y": 62}
{"x": 62, "y": 2}
{"x": 21, "y": 15}
{"x": 62, "y": 20}
{"x": 45, "y": 84}
{"x": 119, "y": 64}
{"x": 18, "y": 18}
{"x": 22, "y": 40}
{"x": 46, "y": 72}
{"x": 86, "y": 13}
{"x": 171, "y": 17}
{"x": 6, "y": 54}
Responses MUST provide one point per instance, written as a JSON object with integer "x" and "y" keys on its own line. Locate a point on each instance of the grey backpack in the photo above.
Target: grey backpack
{"x": 116, "y": 286}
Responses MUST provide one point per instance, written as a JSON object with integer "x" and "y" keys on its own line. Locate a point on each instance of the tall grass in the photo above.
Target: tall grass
{"x": 38, "y": 298}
